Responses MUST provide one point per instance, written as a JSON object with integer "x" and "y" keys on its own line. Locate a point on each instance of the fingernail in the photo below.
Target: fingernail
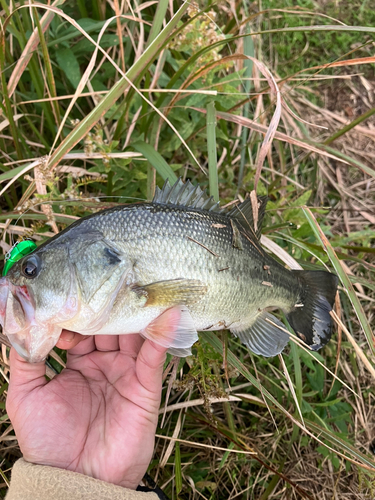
{"x": 67, "y": 336}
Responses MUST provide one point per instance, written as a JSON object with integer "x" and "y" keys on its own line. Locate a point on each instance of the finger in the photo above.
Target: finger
{"x": 69, "y": 339}
{"x": 149, "y": 366}
{"x": 107, "y": 342}
{"x": 86, "y": 346}
{"x": 131, "y": 344}
{"x": 151, "y": 358}
{"x": 24, "y": 375}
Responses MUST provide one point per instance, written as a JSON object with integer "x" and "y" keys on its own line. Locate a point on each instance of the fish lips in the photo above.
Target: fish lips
{"x": 32, "y": 340}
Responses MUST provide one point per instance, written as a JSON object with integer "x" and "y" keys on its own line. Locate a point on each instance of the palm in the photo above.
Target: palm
{"x": 98, "y": 417}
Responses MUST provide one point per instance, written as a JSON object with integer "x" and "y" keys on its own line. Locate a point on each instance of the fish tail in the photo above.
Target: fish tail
{"x": 310, "y": 318}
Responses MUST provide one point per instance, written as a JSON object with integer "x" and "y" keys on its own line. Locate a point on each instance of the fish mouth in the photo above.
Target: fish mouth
{"x": 32, "y": 340}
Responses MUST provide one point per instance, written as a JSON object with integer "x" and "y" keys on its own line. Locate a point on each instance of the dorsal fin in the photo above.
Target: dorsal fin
{"x": 243, "y": 213}
{"x": 185, "y": 194}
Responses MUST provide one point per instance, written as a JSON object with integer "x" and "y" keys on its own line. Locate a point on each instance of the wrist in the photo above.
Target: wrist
{"x": 30, "y": 481}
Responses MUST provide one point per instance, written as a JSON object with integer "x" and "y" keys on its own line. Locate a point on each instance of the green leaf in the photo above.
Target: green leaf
{"x": 106, "y": 41}
{"x": 316, "y": 378}
{"x": 156, "y": 160}
{"x": 69, "y": 65}
{"x": 11, "y": 173}
{"x": 159, "y": 17}
{"x": 295, "y": 214}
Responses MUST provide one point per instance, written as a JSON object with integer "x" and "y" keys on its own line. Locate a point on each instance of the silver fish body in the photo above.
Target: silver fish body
{"x": 116, "y": 271}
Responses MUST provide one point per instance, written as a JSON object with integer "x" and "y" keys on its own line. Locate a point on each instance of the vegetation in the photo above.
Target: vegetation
{"x": 98, "y": 106}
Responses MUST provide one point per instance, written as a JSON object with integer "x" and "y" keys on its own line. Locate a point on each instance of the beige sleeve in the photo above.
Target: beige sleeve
{"x": 31, "y": 482}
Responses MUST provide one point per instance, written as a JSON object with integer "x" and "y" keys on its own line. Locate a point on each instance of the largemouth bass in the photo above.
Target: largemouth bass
{"x": 118, "y": 270}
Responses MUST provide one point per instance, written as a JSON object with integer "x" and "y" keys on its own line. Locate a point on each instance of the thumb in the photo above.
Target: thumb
{"x": 24, "y": 376}
{"x": 151, "y": 357}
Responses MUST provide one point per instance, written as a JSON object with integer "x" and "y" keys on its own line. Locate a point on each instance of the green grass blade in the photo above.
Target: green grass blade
{"x": 7, "y": 102}
{"x": 336, "y": 440}
{"x": 297, "y": 372}
{"x": 65, "y": 219}
{"x": 177, "y": 468}
{"x": 350, "y": 125}
{"x": 156, "y": 160}
{"x": 11, "y": 173}
{"x": 159, "y": 17}
{"x": 50, "y": 80}
{"x": 320, "y": 27}
{"x": 82, "y": 8}
{"x": 226, "y": 455}
{"x": 212, "y": 153}
{"x": 352, "y": 161}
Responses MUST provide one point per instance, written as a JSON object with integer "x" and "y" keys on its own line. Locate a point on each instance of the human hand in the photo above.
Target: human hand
{"x": 99, "y": 416}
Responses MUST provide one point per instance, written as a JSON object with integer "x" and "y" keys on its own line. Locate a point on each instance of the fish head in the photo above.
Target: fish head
{"x": 35, "y": 295}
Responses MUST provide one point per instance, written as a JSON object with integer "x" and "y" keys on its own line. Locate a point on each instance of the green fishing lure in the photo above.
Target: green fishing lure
{"x": 19, "y": 250}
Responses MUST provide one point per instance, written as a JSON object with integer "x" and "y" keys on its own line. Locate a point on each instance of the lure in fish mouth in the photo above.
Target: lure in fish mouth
{"x": 117, "y": 271}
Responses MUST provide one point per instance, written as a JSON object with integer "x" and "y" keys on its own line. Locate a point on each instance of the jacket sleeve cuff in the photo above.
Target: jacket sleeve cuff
{"x": 30, "y": 481}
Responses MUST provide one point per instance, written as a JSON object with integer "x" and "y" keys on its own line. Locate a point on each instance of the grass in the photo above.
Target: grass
{"x": 97, "y": 110}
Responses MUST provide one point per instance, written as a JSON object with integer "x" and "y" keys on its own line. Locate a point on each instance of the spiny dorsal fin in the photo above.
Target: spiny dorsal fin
{"x": 243, "y": 213}
{"x": 185, "y": 194}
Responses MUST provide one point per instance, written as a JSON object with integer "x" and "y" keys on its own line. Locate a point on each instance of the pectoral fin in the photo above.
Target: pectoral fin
{"x": 172, "y": 292}
{"x": 263, "y": 337}
{"x": 180, "y": 353}
{"x": 176, "y": 332}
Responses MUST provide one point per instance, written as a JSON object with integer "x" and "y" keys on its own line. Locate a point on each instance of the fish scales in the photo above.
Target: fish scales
{"x": 152, "y": 233}
{"x": 116, "y": 271}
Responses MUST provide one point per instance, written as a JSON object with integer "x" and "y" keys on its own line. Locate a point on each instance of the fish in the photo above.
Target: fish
{"x": 118, "y": 270}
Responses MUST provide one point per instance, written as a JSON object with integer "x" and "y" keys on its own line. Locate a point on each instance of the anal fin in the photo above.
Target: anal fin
{"x": 263, "y": 337}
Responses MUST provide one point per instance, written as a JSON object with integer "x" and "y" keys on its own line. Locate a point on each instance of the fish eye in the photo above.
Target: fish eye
{"x": 31, "y": 267}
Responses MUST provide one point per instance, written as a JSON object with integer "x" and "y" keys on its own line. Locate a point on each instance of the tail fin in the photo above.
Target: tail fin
{"x": 310, "y": 318}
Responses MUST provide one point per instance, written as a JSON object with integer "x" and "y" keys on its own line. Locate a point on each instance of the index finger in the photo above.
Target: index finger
{"x": 69, "y": 339}
{"x": 85, "y": 346}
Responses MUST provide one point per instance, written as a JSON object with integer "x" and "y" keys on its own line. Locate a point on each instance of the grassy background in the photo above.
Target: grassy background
{"x": 96, "y": 112}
